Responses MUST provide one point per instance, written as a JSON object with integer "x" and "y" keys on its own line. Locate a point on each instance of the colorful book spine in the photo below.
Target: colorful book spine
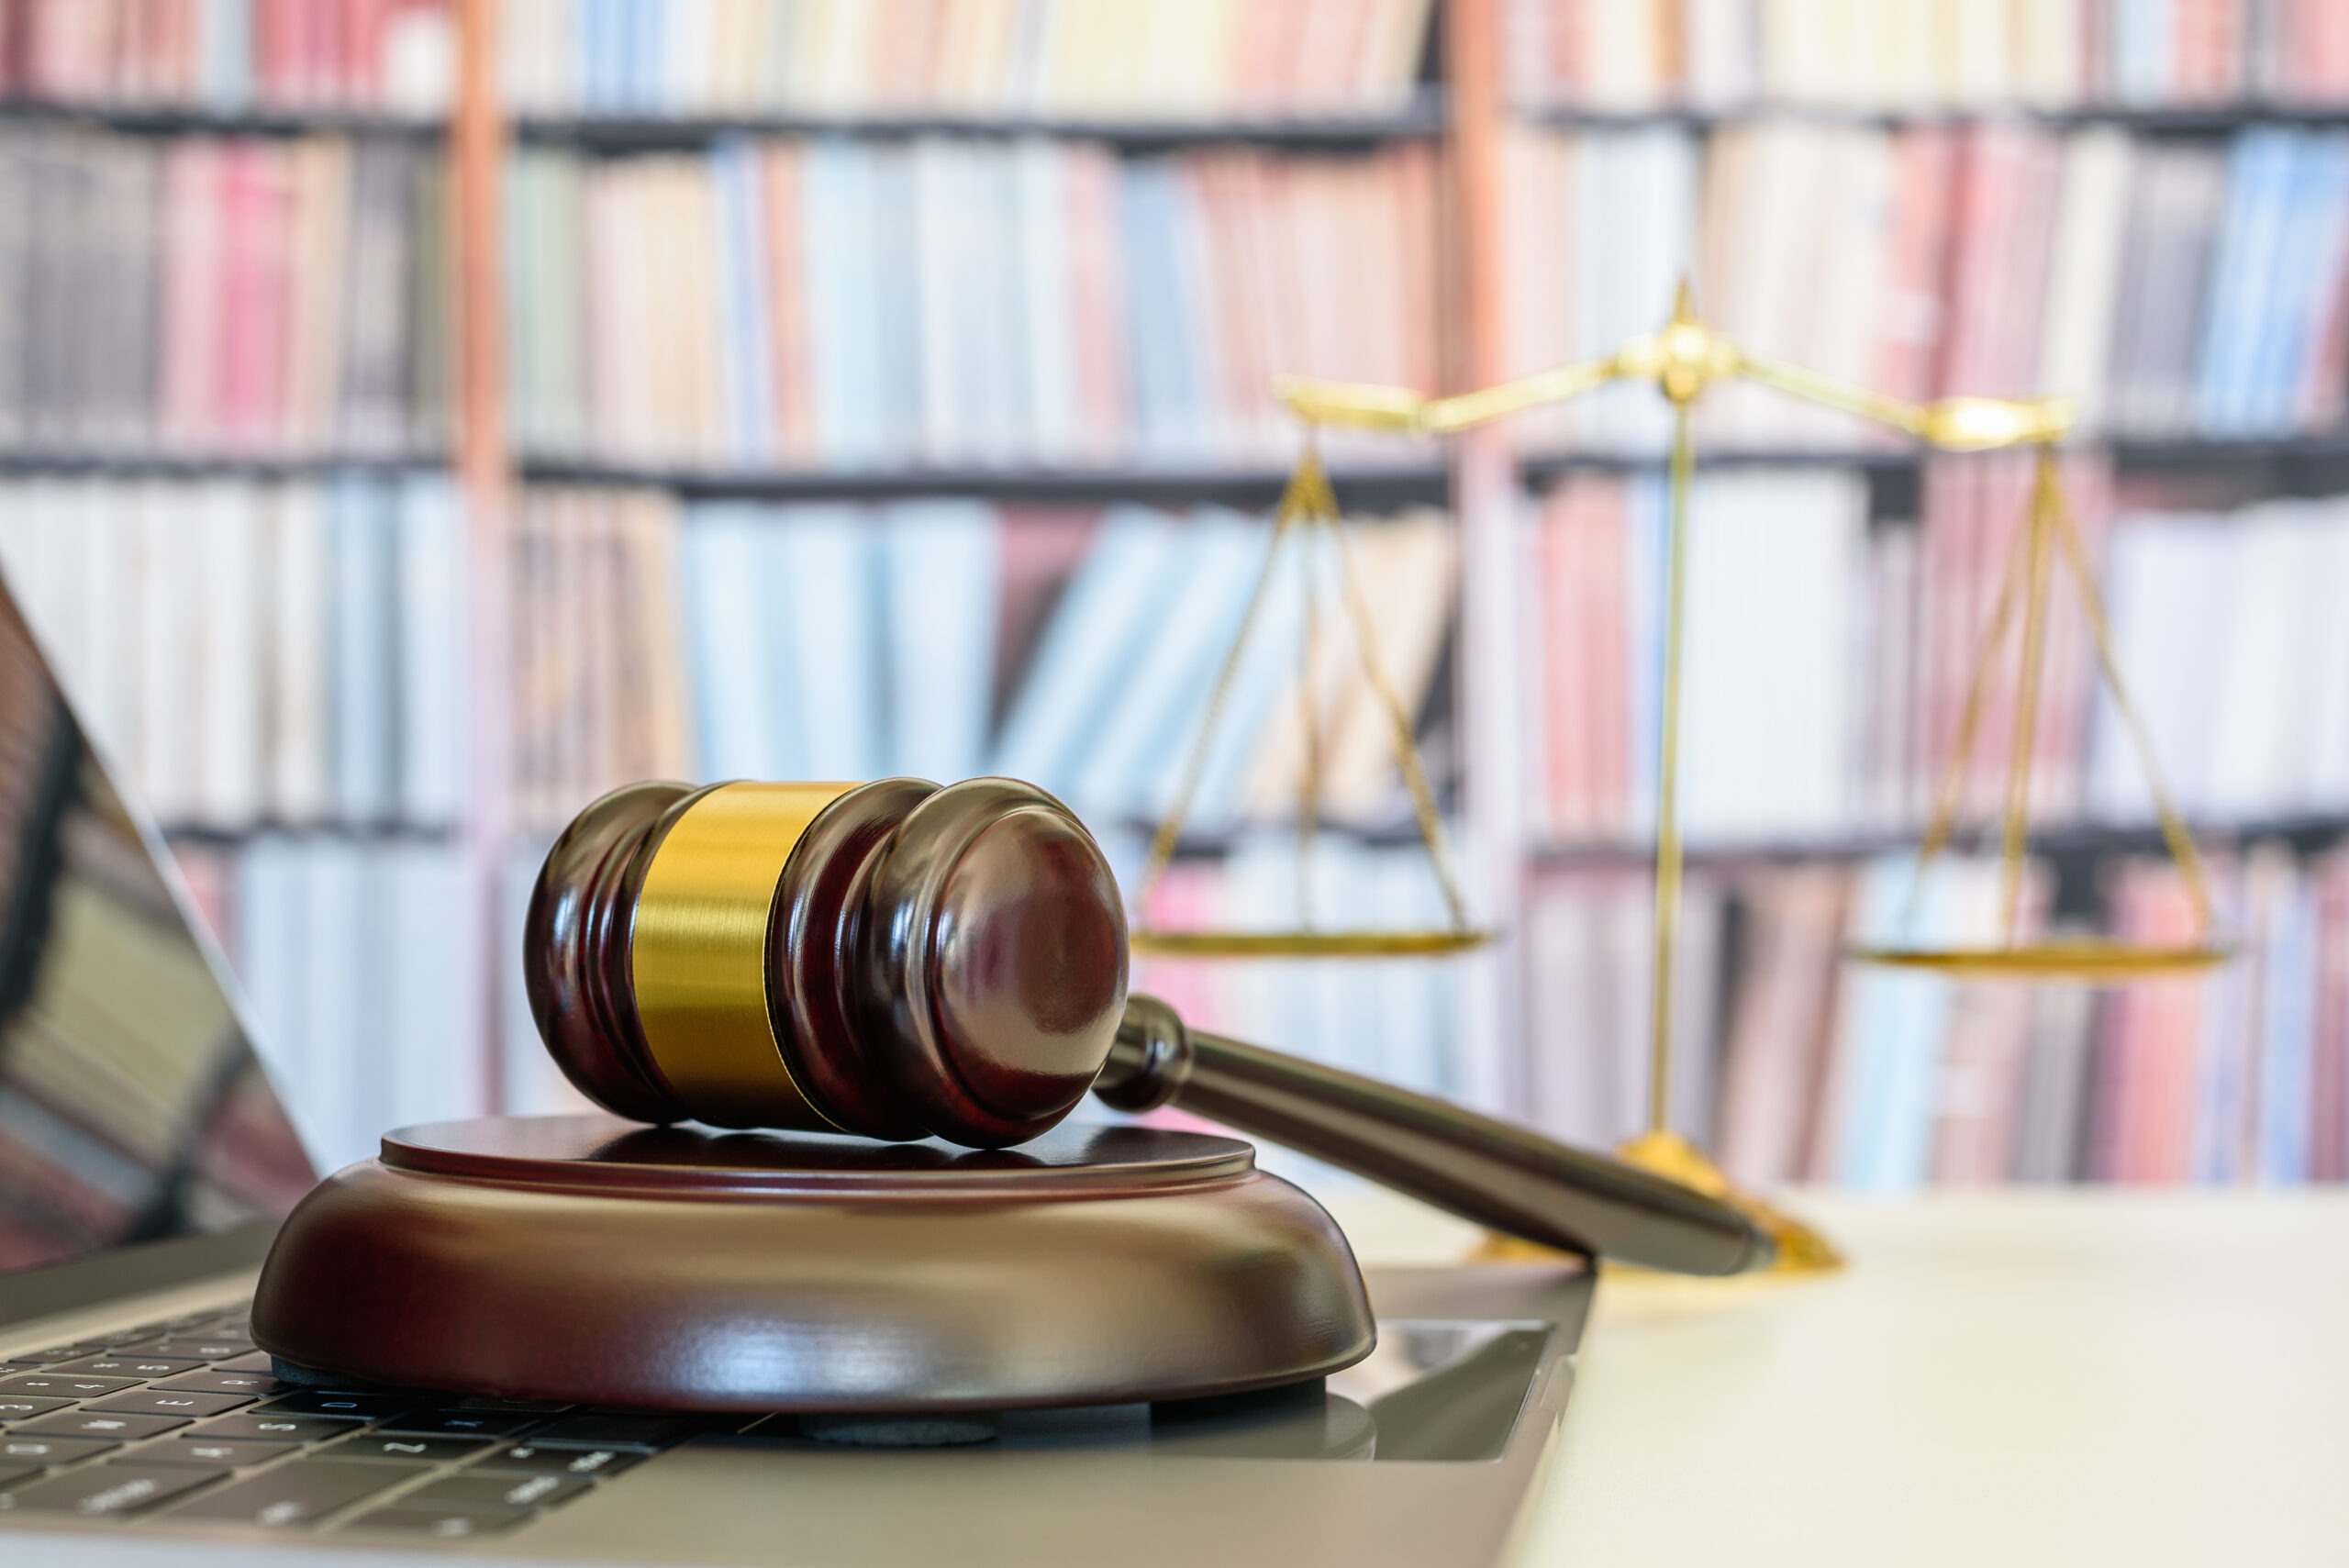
{"x": 1626, "y": 56}
{"x": 384, "y": 57}
{"x": 253, "y": 654}
{"x": 1137, "y": 61}
{"x": 956, "y": 303}
{"x": 1800, "y": 1065}
{"x": 2174, "y": 288}
{"x": 1830, "y": 658}
{"x": 220, "y": 297}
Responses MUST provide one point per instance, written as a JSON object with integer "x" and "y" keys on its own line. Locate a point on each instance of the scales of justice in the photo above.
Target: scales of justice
{"x": 1684, "y": 361}
{"x": 840, "y": 1030}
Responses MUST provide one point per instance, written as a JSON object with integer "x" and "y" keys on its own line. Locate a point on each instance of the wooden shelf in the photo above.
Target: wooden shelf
{"x": 216, "y": 835}
{"x": 2129, "y": 451}
{"x": 186, "y": 119}
{"x": 2076, "y": 840}
{"x": 1369, "y": 485}
{"x": 96, "y": 463}
{"x": 1423, "y": 118}
{"x": 2171, "y": 119}
{"x": 1249, "y": 486}
{"x": 2324, "y": 458}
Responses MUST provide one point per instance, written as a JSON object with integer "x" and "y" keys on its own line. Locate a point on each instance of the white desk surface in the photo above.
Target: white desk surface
{"x": 2006, "y": 1379}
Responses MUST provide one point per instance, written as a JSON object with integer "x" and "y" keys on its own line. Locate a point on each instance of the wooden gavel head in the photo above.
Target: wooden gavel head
{"x": 894, "y": 959}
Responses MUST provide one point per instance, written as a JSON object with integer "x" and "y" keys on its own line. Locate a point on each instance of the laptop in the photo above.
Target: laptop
{"x": 145, "y": 1161}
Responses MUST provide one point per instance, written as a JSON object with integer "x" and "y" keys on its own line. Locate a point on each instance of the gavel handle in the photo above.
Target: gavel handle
{"x": 1505, "y": 1177}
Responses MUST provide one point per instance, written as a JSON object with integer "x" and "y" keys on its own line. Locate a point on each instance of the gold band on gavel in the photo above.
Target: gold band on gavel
{"x": 699, "y": 960}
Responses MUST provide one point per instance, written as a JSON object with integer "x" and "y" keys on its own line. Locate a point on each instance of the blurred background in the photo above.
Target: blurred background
{"x": 419, "y": 415}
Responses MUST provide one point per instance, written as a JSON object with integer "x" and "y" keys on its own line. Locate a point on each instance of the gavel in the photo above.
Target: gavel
{"x": 898, "y": 960}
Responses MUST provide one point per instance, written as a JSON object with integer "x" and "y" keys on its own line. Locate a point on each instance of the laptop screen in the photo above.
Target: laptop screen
{"x": 131, "y": 1106}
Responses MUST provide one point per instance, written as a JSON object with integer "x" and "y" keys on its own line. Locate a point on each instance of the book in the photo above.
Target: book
{"x": 824, "y": 597}
{"x": 954, "y": 301}
{"x": 1143, "y": 60}
{"x": 222, "y": 295}
{"x": 1098, "y": 626}
{"x": 1889, "y": 1079}
{"x": 394, "y": 57}
{"x": 944, "y": 572}
{"x": 301, "y": 720}
{"x": 2146, "y": 278}
{"x": 1829, "y": 662}
{"x": 2227, "y": 747}
{"x": 1904, "y": 54}
{"x": 1148, "y": 732}
{"x": 1772, "y": 710}
{"x": 254, "y": 653}
{"x": 362, "y": 552}
{"x": 601, "y": 581}
{"x": 946, "y": 639}
{"x": 430, "y": 638}
{"x": 363, "y": 970}
{"x": 227, "y": 530}
{"x": 1587, "y": 1049}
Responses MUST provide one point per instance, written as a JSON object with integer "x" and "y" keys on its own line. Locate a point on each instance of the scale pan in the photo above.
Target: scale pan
{"x": 2091, "y": 960}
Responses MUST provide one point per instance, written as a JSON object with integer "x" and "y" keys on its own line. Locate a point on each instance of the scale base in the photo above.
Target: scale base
{"x": 1801, "y": 1249}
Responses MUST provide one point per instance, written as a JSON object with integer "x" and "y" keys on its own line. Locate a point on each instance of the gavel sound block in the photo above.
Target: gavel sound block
{"x": 905, "y": 989}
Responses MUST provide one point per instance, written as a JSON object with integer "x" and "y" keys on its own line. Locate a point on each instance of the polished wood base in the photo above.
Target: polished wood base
{"x": 589, "y": 1260}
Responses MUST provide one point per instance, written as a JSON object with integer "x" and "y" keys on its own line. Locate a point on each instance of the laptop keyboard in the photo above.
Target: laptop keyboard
{"x": 182, "y": 1419}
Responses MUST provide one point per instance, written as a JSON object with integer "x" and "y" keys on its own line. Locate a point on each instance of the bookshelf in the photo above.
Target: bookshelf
{"x": 1464, "y": 106}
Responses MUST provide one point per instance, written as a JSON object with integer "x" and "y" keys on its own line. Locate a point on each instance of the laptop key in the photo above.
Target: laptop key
{"x": 534, "y": 1407}
{"x": 185, "y": 1448}
{"x": 133, "y": 1336}
{"x": 293, "y": 1494}
{"x": 12, "y": 1474}
{"x": 253, "y": 1385}
{"x": 257, "y": 1362}
{"x": 15, "y": 1449}
{"x": 56, "y": 1353}
{"x": 113, "y": 1365}
{"x": 164, "y": 1402}
{"x": 64, "y": 1385}
{"x": 19, "y": 1408}
{"x": 464, "y": 1423}
{"x": 278, "y": 1429}
{"x": 530, "y": 1457}
{"x": 105, "y": 1490}
{"x": 593, "y": 1429}
{"x": 405, "y": 1450}
{"x": 325, "y": 1402}
{"x": 495, "y": 1494}
{"x": 446, "y": 1524}
{"x": 98, "y": 1424}
{"x": 202, "y": 1350}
